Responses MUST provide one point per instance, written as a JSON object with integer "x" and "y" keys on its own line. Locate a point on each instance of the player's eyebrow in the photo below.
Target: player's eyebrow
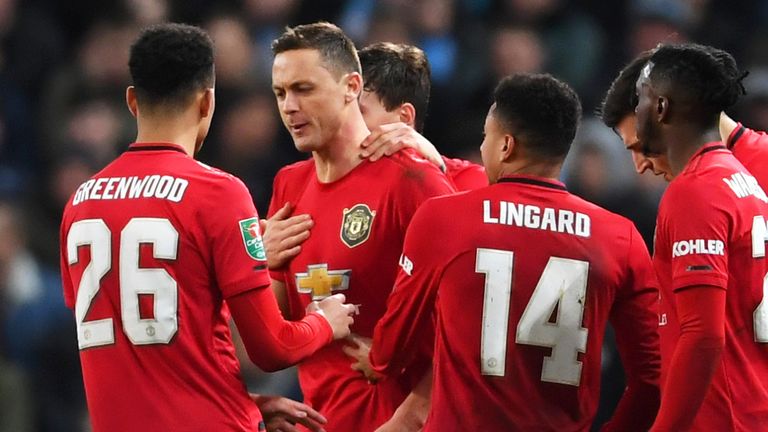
{"x": 632, "y": 145}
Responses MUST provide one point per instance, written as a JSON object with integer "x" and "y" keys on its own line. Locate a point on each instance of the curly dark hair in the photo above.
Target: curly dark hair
{"x": 704, "y": 78}
{"x": 336, "y": 49}
{"x": 169, "y": 62}
{"x": 398, "y": 73}
{"x": 541, "y": 111}
{"x": 621, "y": 98}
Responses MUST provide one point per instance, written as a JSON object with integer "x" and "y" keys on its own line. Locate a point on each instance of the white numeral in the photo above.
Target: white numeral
{"x": 497, "y": 266}
{"x": 760, "y": 316}
{"x": 134, "y": 281}
{"x": 562, "y": 287}
{"x": 96, "y": 234}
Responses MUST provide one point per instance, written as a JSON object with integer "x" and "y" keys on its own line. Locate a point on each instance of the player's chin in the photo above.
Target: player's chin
{"x": 304, "y": 144}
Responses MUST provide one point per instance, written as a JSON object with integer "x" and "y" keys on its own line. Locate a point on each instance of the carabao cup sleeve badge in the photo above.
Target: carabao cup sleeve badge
{"x": 249, "y": 228}
{"x": 356, "y": 225}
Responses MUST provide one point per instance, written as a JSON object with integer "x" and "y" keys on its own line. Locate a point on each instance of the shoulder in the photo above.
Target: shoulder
{"x": 217, "y": 183}
{"x": 410, "y": 169}
{"x": 466, "y": 175}
{"x": 296, "y": 169}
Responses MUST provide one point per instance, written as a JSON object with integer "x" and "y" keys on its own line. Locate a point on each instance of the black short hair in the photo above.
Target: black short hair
{"x": 621, "y": 98}
{"x": 169, "y": 62}
{"x": 398, "y": 73}
{"x": 336, "y": 49}
{"x": 541, "y": 111}
{"x": 703, "y": 78}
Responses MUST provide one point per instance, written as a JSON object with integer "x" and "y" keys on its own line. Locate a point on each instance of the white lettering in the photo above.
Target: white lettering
{"x": 406, "y": 264}
{"x": 698, "y": 247}
{"x": 108, "y": 190}
{"x": 178, "y": 189}
{"x": 149, "y": 185}
{"x": 164, "y": 186}
{"x": 122, "y": 187}
{"x": 487, "y": 218}
{"x": 97, "y": 187}
{"x": 533, "y": 217}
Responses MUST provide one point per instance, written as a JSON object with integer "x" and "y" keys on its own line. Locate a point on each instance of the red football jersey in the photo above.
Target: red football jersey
{"x": 711, "y": 230}
{"x": 524, "y": 278}
{"x": 464, "y": 174}
{"x": 149, "y": 254}
{"x": 359, "y": 226}
{"x": 751, "y": 149}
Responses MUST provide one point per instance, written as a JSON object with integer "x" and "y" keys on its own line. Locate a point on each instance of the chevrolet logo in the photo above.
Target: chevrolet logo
{"x": 320, "y": 282}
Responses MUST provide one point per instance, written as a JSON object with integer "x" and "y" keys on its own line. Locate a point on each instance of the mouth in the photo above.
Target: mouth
{"x": 297, "y": 128}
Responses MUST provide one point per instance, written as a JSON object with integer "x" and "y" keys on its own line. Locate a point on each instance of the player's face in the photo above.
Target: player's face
{"x": 374, "y": 112}
{"x": 490, "y": 149}
{"x": 627, "y": 130}
{"x": 310, "y": 98}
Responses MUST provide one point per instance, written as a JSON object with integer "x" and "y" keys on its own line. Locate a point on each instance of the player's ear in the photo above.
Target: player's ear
{"x": 407, "y": 113}
{"x": 354, "y": 83}
{"x": 130, "y": 100}
{"x": 207, "y": 103}
{"x": 662, "y": 109}
{"x": 508, "y": 148}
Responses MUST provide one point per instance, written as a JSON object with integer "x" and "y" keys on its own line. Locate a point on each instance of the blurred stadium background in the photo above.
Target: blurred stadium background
{"x": 63, "y": 73}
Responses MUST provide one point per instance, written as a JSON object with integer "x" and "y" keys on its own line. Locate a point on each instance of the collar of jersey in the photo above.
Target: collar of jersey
{"x": 708, "y": 147}
{"x": 156, "y": 146}
{"x": 532, "y": 180}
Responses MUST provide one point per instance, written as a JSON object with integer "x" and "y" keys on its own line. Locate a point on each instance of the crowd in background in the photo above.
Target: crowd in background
{"x": 63, "y": 73}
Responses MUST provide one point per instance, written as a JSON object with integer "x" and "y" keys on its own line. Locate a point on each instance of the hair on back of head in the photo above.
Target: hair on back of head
{"x": 169, "y": 62}
{"x": 541, "y": 111}
{"x": 621, "y": 98}
{"x": 337, "y": 50}
{"x": 704, "y": 77}
{"x": 398, "y": 73}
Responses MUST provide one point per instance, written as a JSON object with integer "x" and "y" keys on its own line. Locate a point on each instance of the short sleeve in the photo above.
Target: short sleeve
{"x": 237, "y": 249}
{"x": 697, "y": 225}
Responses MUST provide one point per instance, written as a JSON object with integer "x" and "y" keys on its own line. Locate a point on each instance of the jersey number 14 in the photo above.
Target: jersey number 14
{"x": 134, "y": 281}
{"x": 562, "y": 286}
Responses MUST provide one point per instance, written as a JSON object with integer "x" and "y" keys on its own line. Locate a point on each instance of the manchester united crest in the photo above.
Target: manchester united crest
{"x": 356, "y": 225}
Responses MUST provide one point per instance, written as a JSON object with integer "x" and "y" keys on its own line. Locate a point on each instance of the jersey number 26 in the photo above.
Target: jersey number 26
{"x": 134, "y": 281}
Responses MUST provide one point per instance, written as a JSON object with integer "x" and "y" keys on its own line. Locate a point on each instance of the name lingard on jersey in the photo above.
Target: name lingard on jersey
{"x": 744, "y": 185}
{"x": 697, "y": 247}
{"x": 111, "y": 188}
{"x": 531, "y": 216}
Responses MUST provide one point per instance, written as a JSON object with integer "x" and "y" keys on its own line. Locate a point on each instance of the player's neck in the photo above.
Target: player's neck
{"x": 685, "y": 144}
{"x": 341, "y": 154}
{"x": 546, "y": 170}
{"x": 169, "y": 131}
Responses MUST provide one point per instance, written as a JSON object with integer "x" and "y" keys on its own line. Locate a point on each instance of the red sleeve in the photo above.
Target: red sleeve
{"x": 751, "y": 149}
{"x": 465, "y": 175}
{"x": 635, "y": 318}
{"x": 233, "y": 232}
{"x": 66, "y": 278}
{"x": 407, "y": 324}
{"x": 702, "y": 336}
{"x": 271, "y": 342}
{"x": 697, "y": 220}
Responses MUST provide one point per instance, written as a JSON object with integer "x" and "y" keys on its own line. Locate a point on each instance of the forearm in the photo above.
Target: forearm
{"x": 271, "y": 342}
{"x": 414, "y": 409}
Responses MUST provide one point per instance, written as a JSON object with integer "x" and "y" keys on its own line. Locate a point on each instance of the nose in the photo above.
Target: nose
{"x": 641, "y": 163}
{"x": 290, "y": 103}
